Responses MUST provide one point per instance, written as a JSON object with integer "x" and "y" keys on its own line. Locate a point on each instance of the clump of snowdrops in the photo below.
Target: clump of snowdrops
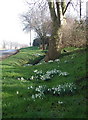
{"x": 59, "y": 90}
{"x": 39, "y": 75}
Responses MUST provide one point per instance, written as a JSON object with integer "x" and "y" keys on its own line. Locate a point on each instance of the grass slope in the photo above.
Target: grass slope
{"x": 18, "y": 99}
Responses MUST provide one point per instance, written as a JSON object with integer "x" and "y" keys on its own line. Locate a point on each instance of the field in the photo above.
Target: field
{"x": 56, "y": 89}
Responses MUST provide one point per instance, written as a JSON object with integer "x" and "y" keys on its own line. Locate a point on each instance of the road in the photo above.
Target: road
{"x": 6, "y": 53}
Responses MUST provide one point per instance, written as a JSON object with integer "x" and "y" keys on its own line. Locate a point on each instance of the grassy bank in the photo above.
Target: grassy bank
{"x": 56, "y": 89}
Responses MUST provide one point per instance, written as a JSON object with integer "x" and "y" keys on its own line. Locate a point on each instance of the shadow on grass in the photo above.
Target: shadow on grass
{"x": 75, "y": 51}
{"x": 36, "y": 61}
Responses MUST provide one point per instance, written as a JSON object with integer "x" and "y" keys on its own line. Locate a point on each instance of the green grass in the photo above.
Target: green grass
{"x": 22, "y": 105}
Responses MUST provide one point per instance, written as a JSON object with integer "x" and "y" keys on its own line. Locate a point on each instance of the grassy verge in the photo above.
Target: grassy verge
{"x": 62, "y": 94}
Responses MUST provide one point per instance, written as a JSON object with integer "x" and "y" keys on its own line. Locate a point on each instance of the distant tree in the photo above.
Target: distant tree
{"x": 38, "y": 42}
{"x": 37, "y": 19}
{"x": 4, "y": 43}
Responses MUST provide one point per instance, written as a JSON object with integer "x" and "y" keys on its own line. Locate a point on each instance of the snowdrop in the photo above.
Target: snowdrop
{"x": 31, "y": 87}
{"x": 50, "y": 61}
{"x": 27, "y": 65}
{"x": 57, "y": 90}
{"x": 60, "y": 102}
{"x": 18, "y": 78}
{"x": 65, "y": 61}
{"x": 35, "y": 71}
{"x": 48, "y": 75}
{"x": 33, "y": 96}
{"x": 39, "y": 64}
{"x": 63, "y": 73}
{"x": 63, "y": 89}
{"x": 22, "y": 78}
{"x": 28, "y": 87}
{"x": 57, "y": 60}
{"x": 32, "y": 77}
{"x": 17, "y": 92}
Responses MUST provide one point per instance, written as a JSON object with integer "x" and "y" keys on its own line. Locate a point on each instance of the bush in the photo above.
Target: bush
{"x": 74, "y": 34}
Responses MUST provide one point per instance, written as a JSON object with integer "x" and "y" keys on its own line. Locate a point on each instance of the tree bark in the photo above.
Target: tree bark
{"x": 54, "y": 44}
{"x": 54, "y": 50}
{"x": 43, "y": 43}
{"x": 58, "y": 20}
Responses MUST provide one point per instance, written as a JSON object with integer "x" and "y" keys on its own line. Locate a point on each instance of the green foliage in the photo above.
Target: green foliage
{"x": 34, "y": 98}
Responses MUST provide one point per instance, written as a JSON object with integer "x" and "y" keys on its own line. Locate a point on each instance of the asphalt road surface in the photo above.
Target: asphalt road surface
{"x": 6, "y": 53}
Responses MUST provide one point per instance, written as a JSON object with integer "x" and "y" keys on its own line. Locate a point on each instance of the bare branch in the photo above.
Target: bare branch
{"x": 67, "y": 6}
{"x": 52, "y": 10}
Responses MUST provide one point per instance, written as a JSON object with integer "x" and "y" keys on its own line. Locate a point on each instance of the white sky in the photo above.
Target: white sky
{"x": 10, "y": 24}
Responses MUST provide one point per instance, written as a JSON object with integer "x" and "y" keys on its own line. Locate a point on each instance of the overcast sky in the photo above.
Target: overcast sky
{"x": 10, "y": 23}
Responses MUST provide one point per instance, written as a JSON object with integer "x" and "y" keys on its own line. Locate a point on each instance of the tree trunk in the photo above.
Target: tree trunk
{"x": 43, "y": 43}
{"x": 54, "y": 50}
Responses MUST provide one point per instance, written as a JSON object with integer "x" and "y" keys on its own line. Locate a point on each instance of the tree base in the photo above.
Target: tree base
{"x": 52, "y": 55}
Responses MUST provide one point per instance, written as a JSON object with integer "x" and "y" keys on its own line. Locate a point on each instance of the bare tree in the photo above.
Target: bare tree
{"x": 36, "y": 19}
{"x": 57, "y": 12}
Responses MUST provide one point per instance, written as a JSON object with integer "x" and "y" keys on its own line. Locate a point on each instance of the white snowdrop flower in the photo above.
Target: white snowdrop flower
{"x": 28, "y": 87}
{"x": 65, "y": 61}
{"x": 17, "y": 92}
{"x": 36, "y": 95}
{"x": 35, "y": 71}
{"x": 50, "y": 61}
{"x": 32, "y": 77}
{"x": 60, "y": 102}
{"x": 65, "y": 73}
{"x": 39, "y": 96}
{"x": 52, "y": 88}
{"x": 55, "y": 89}
{"x": 48, "y": 89}
{"x": 33, "y": 96}
{"x": 27, "y": 65}
{"x": 22, "y": 78}
{"x": 64, "y": 89}
{"x": 36, "y": 89}
{"x": 57, "y": 60}
{"x": 39, "y": 63}
{"x": 72, "y": 57}
{"x": 39, "y": 86}
{"x": 31, "y": 87}
{"x": 18, "y": 78}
